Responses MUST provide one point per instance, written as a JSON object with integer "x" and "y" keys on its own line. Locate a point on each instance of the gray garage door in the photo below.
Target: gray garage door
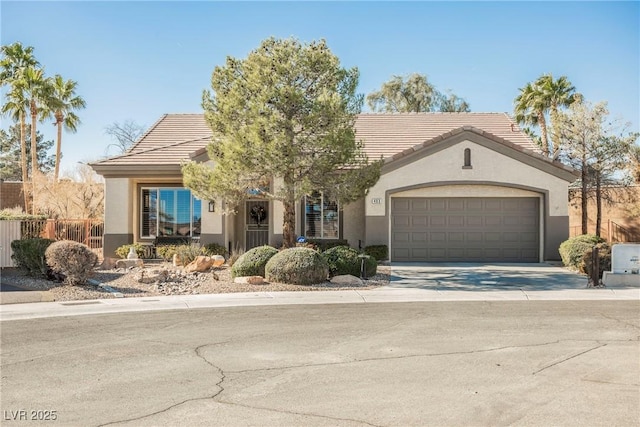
{"x": 465, "y": 229}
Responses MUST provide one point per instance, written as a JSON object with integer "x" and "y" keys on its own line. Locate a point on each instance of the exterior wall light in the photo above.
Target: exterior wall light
{"x": 212, "y": 206}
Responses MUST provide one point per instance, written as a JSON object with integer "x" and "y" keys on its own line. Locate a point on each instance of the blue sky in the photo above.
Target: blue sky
{"x": 139, "y": 60}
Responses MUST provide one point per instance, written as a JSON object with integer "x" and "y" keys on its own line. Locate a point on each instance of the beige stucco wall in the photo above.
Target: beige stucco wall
{"x": 118, "y": 206}
{"x": 353, "y": 228}
{"x": 212, "y": 221}
{"x": 488, "y": 166}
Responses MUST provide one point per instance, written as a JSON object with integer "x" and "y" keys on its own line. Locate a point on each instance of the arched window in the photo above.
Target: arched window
{"x": 467, "y": 158}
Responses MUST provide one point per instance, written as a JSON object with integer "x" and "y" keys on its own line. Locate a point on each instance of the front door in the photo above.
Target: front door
{"x": 256, "y": 223}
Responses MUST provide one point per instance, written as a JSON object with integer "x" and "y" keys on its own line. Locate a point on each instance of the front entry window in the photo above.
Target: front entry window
{"x": 170, "y": 212}
{"x": 321, "y": 217}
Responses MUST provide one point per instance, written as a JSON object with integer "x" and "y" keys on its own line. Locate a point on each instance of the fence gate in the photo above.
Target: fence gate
{"x": 9, "y": 231}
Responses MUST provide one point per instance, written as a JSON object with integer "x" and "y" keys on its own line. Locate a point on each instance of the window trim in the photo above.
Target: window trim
{"x": 175, "y": 189}
{"x": 338, "y": 221}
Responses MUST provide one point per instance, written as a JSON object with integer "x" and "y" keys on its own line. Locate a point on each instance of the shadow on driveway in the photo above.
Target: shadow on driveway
{"x": 484, "y": 277}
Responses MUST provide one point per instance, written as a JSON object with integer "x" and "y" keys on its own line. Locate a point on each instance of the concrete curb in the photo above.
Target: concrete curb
{"x": 380, "y": 295}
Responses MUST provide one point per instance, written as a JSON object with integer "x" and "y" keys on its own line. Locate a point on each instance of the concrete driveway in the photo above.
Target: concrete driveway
{"x": 484, "y": 277}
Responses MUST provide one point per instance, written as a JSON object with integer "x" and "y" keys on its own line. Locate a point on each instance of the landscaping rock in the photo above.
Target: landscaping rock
{"x": 218, "y": 260}
{"x": 347, "y": 280}
{"x": 249, "y": 280}
{"x": 200, "y": 264}
{"x": 108, "y": 264}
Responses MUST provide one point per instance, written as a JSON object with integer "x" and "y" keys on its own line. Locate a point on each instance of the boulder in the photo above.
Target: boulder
{"x": 218, "y": 260}
{"x": 249, "y": 280}
{"x": 129, "y": 263}
{"x": 200, "y": 264}
{"x": 347, "y": 280}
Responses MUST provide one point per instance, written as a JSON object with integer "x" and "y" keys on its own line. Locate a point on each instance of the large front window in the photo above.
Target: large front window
{"x": 321, "y": 217}
{"x": 170, "y": 212}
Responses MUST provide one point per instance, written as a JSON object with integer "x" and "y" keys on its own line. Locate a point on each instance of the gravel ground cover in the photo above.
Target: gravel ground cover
{"x": 125, "y": 281}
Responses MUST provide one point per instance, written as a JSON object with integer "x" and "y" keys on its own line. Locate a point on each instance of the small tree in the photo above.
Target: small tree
{"x": 10, "y": 152}
{"x": 596, "y": 145}
{"x": 124, "y": 134}
{"x": 414, "y": 94}
{"x": 283, "y": 121}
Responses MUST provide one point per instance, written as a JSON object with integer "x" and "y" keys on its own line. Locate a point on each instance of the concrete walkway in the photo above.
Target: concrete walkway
{"x": 380, "y": 295}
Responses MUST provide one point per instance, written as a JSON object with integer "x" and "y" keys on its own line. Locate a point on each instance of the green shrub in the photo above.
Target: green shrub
{"x": 29, "y": 255}
{"x": 75, "y": 260}
{"x": 604, "y": 256}
{"x": 252, "y": 262}
{"x": 572, "y": 251}
{"x": 12, "y": 214}
{"x": 345, "y": 260}
{"x": 322, "y": 244}
{"x": 379, "y": 252}
{"x": 166, "y": 252}
{"x": 215, "y": 249}
{"x": 299, "y": 266}
{"x": 123, "y": 250}
{"x": 187, "y": 253}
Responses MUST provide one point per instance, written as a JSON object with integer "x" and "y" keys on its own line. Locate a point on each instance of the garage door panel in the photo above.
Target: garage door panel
{"x": 437, "y": 204}
{"x": 419, "y": 237}
{"x": 400, "y": 205}
{"x": 401, "y": 221}
{"x": 437, "y": 237}
{"x": 492, "y": 221}
{"x": 401, "y": 237}
{"x": 419, "y": 205}
{"x": 438, "y": 220}
{"x": 465, "y": 229}
{"x": 456, "y": 221}
{"x": 419, "y": 220}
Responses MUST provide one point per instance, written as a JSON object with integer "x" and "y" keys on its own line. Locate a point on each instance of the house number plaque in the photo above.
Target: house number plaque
{"x": 376, "y": 201}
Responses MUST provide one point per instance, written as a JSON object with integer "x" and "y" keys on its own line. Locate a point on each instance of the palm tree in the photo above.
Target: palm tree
{"x": 16, "y": 106}
{"x": 556, "y": 93}
{"x": 39, "y": 90}
{"x": 15, "y": 59}
{"x": 530, "y": 108}
{"x": 542, "y": 97}
{"x": 65, "y": 101}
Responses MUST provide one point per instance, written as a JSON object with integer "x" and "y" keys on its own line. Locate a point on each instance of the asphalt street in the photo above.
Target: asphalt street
{"x": 458, "y": 363}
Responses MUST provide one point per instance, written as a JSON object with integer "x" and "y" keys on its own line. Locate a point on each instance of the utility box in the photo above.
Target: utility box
{"x": 625, "y": 258}
{"x": 625, "y": 266}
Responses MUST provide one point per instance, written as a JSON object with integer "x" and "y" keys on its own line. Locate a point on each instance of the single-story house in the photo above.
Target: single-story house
{"x": 455, "y": 187}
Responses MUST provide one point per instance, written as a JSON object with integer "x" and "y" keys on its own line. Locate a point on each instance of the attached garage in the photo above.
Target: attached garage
{"x": 465, "y": 229}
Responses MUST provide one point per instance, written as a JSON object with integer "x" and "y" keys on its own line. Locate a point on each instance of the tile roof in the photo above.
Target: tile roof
{"x": 174, "y": 137}
{"x": 389, "y": 134}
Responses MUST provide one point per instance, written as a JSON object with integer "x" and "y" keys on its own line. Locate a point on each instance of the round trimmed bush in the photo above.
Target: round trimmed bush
{"x": 253, "y": 262}
{"x": 73, "y": 259}
{"x": 297, "y": 266}
{"x": 344, "y": 260}
{"x": 572, "y": 251}
{"x": 29, "y": 255}
{"x": 215, "y": 249}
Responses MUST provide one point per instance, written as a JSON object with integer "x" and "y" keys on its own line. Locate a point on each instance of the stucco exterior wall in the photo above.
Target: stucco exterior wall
{"x": 353, "y": 230}
{"x": 118, "y": 214}
{"x": 488, "y": 166}
{"x": 492, "y": 174}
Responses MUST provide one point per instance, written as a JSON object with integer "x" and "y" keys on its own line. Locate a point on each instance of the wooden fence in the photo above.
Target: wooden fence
{"x": 611, "y": 231}
{"x": 87, "y": 231}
